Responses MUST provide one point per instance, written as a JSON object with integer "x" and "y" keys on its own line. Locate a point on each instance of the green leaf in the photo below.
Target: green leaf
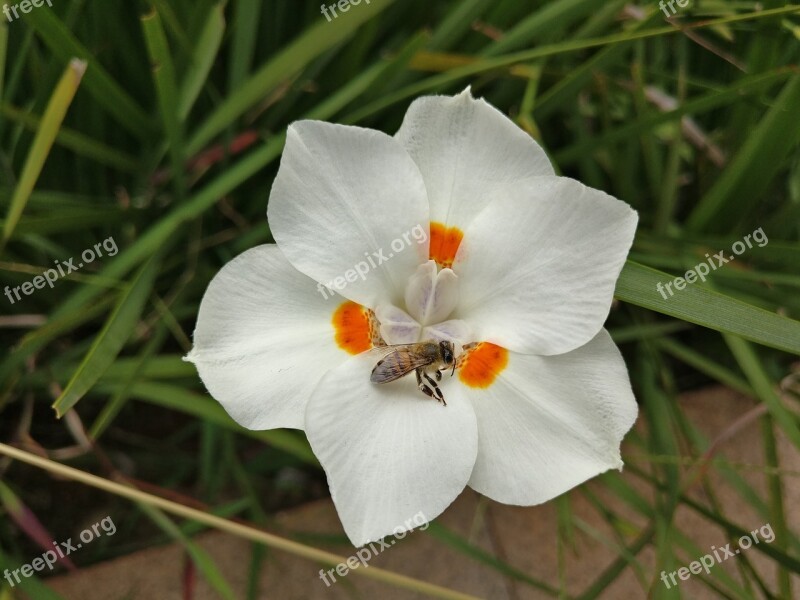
{"x": 246, "y": 19}
{"x": 553, "y": 16}
{"x": 239, "y": 172}
{"x": 637, "y": 284}
{"x": 3, "y": 51}
{"x": 202, "y": 407}
{"x": 40, "y": 149}
{"x": 457, "y": 22}
{"x": 120, "y": 397}
{"x": 75, "y": 141}
{"x": 750, "y": 173}
{"x": 645, "y": 126}
{"x": 311, "y": 44}
{"x": 205, "y": 52}
{"x": 38, "y": 339}
{"x": 31, "y": 586}
{"x": 166, "y": 91}
{"x": 440, "y": 81}
{"x": 763, "y": 387}
{"x": 111, "y": 339}
{"x": 106, "y": 92}
{"x": 449, "y": 538}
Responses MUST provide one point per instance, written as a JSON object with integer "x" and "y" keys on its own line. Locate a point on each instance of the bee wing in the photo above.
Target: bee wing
{"x": 379, "y": 352}
{"x": 397, "y": 363}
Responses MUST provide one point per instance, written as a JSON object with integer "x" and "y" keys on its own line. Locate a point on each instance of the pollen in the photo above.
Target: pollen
{"x": 480, "y": 365}
{"x": 444, "y": 244}
{"x": 353, "y": 326}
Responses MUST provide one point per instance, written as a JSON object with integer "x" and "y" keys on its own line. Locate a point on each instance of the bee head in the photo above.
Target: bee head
{"x": 447, "y": 352}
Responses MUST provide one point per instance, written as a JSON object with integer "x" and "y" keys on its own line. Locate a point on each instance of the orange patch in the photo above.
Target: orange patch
{"x": 444, "y": 244}
{"x": 480, "y": 365}
{"x": 353, "y": 328}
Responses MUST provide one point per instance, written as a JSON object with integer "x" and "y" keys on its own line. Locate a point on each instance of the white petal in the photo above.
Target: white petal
{"x": 349, "y": 203}
{"x": 263, "y": 339}
{"x": 549, "y": 423}
{"x": 537, "y": 268}
{"x": 465, "y": 148}
{"x": 397, "y": 327}
{"x": 431, "y": 295}
{"x": 454, "y": 330}
{"x": 389, "y": 451}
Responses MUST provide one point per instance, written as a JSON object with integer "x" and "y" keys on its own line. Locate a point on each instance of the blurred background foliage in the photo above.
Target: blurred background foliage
{"x": 169, "y": 143}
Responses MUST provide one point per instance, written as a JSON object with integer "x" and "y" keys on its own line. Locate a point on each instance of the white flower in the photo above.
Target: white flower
{"x": 541, "y": 399}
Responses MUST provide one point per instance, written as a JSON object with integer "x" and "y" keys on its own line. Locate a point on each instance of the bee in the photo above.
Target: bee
{"x": 425, "y": 358}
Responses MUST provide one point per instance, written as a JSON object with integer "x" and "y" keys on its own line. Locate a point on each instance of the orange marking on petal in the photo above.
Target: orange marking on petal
{"x": 444, "y": 244}
{"x": 353, "y": 328}
{"x": 480, "y": 365}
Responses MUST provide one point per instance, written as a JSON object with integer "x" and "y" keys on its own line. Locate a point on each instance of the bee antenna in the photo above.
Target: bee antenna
{"x": 454, "y": 368}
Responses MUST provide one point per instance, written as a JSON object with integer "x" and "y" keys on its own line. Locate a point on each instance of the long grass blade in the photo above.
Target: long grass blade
{"x": 40, "y": 149}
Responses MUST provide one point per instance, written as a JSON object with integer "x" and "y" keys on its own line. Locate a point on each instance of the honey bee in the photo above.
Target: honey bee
{"x": 424, "y": 358}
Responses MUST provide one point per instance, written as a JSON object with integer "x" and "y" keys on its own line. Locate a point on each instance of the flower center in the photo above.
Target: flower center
{"x": 431, "y": 296}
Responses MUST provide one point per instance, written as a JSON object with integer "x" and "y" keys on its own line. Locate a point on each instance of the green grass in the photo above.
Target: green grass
{"x": 611, "y": 93}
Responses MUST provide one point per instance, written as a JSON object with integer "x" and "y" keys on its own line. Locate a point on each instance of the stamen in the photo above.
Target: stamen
{"x": 480, "y": 364}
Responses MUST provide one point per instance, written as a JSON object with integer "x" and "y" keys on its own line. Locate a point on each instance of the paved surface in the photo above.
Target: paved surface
{"x": 524, "y": 537}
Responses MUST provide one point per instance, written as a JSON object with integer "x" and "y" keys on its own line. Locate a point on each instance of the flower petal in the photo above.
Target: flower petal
{"x": 454, "y": 330}
{"x": 549, "y": 423}
{"x": 389, "y": 451}
{"x": 348, "y": 208}
{"x": 431, "y": 295}
{"x": 397, "y": 326}
{"x": 263, "y": 339}
{"x": 537, "y": 268}
{"x": 464, "y": 148}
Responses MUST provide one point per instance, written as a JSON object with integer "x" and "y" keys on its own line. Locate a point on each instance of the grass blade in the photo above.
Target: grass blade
{"x": 111, "y": 339}
{"x": 106, "y": 92}
{"x": 702, "y": 306}
{"x": 246, "y": 17}
{"x": 203, "y": 57}
{"x": 200, "y": 557}
{"x": 202, "y": 407}
{"x": 27, "y": 521}
{"x": 77, "y": 142}
{"x": 763, "y": 387}
{"x": 40, "y": 149}
{"x": 294, "y": 58}
{"x": 167, "y": 92}
{"x": 754, "y": 166}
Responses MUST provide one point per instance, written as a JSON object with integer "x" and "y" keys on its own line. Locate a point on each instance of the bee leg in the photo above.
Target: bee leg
{"x": 438, "y": 375}
{"x": 437, "y": 393}
{"x": 423, "y": 387}
{"x": 431, "y": 390}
